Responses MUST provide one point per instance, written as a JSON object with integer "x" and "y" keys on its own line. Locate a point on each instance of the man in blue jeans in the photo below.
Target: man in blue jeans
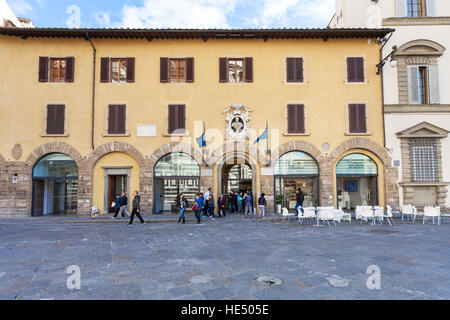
{"x": 300, "y": 199}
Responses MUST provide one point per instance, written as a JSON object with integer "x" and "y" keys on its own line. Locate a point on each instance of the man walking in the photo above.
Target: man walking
{"x": 207, "y": 196}
{"x": 248, "y": 200}
{"x": 300, "y": 199}
{"x": 123, "y": 203}
{"x": 136, "y": 208}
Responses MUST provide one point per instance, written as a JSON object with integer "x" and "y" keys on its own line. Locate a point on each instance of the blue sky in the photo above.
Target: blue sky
{"x": 176, "y": 13}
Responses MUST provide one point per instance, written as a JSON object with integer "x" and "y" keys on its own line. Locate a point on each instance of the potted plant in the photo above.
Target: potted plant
{"x": 279, "y": 202}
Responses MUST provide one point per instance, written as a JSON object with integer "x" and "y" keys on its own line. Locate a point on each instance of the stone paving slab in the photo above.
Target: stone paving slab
{"x": 221, "y": 259}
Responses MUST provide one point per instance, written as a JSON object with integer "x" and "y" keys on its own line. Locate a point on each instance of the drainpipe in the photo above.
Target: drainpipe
{"x": 93, "y": 90}
{"x": 382, "y": 90}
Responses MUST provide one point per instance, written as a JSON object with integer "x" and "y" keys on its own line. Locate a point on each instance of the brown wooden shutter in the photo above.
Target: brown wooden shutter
{"x": 189, "y": 69}
{"x": 43, "y": 69}
{"x": 290, "y": 72}
{"x": 362, "y": 128}
{"x": 172, "y": 118}
{"x": 353, "y": 118}
{"x": 104, "y": 70}
{"x": 223, "y": 70}
{"x": 164, "y": 69}
{"x": 350, "y": 70}
{"x": 70, "y": 66}
{"x": 359, "y": 65}
{"x": 55, "y": 119}
{"x": 112, "y": 119}
{"x": 299, "y": 69}
{"x": 296, "y": 118}
{"x": 130, "y": 69}
{"x": 181, "y": 123}
{"x": 248, "y": 64}
{"x": 121, "y": 109}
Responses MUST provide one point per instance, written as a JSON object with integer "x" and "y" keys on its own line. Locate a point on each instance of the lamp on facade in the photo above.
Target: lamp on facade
{"x": 393, "y": 60}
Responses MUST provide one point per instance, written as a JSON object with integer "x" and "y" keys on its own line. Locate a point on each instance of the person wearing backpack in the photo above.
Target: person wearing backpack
{"x": 262, "y": 205}
{"x": 300, "y": 199}
{"x": 200, "y": 204}
{"x": 182, "y": 203}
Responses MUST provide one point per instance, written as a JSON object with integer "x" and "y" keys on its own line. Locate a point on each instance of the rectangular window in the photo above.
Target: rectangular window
{"x": 423, "y": 85}
{"x": 177, "y": 70}
{"x": 118, "y": 70}
{"x": 55, "y": 119}
{"x": 416, "y": 8}
{"x": 235, "y": 70}
{"x": 177, "y": 119}
{"x": 424, "y": 160}
{"x": 296, "y": 118}
{"x": 57, "y": 69}
{"x": 357, "y": 118}
{"x": 355, "y": 69}
{"x": 294, "y": 69}
{"x": 116, "y": 119}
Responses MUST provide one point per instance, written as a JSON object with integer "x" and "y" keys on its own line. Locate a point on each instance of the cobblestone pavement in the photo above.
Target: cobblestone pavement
{"x": 222, "y": 260}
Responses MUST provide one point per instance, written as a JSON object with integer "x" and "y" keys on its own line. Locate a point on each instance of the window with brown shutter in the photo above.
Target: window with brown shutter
{"x": 130, "y": 69}
{"x": 57, "y": 69}
{"x": 55, "y": 119}
{"x": 177, "y": 119}
{"x": 116, "y": 119}
{"x": 296, "y": 118}
{"x": 355, "y": 69}
{"x": 104, "y": 69}
{"x": 357, "y": 118}
{"x": 70, "y": 68}
{"x": 248, "y": 65}
{"x": 294, "y": 69}
{"x": 118, "y": 70}
{"x": 223, "y": 70}
{"x": 177, "y": 70}
{"x": 189, "y": 69}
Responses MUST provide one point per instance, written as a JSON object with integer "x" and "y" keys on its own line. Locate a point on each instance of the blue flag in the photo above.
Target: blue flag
{"x": 201, "y": 140}
{"x": 264, "y": 136}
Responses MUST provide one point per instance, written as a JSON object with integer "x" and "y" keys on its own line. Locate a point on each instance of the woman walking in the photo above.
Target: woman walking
{"x": 262, "y": 205}
{"x": 182, "y": 203}
{"x": 248, "y": 200}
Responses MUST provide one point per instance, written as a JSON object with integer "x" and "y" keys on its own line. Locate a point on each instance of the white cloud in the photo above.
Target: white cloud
{"x": 20, "y": 7}
{"x": 103, "y": 19}
{"x": 178, "y": 14}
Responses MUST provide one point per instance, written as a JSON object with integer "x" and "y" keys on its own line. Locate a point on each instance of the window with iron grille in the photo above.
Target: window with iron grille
{"x": 424, "y": 161}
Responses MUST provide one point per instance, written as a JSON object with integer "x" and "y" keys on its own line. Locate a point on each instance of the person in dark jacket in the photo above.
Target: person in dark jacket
{"x": 136, "y": 208}
{"x": 300, "y": 199}
{"x": 248, "y": 202}
{"x": 211, "y": 207}
{"x": 221, "y": 205}
{"x": 123, "y": 202}
{"x": 182, "y": 203}
{"x": 262, "y": 205}
{"x": 117, "y": 207}
{"x": 200, "y": 204}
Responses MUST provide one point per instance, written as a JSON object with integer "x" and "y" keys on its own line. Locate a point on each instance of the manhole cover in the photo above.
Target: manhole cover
{"x": 336, "y": 281}
{"x": 271, "y": 281}
{"x": 383, "y": 231}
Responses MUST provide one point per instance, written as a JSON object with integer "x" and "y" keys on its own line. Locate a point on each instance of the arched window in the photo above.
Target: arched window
{"x": 240, "y": 171}
{"x": 56, "y": 165}
{"x": 177, "y": 165}
{"x": 296, "y": 163}
{"x": 356, "y": 164}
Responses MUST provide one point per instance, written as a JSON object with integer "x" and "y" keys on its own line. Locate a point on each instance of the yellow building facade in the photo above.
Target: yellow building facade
{"x": 324, "y": 127}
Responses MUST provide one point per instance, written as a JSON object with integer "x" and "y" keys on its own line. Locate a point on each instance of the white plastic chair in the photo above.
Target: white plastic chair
{"x": 286, "y": 214}
{"x": 388, "y": 215}
{"x": 410, "y": 211}
{"x": 309, "y": 213}
{"x": 359, "y": 210}
{"x": 432, "y": 212}
{"x": 326, "y": 214}
{"x": 378, "y": 214}
{"x": 366, "y": 215}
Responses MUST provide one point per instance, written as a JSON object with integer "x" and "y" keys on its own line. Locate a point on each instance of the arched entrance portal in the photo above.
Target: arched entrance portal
{"x": 357, "y": 181}
{"x": 55, "y": 185}
{"x": 237, "y": 173}
{"x": 175, "y": 173}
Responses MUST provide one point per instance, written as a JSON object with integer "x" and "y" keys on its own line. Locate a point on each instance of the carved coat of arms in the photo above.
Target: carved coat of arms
{"x": 237, "y": 126}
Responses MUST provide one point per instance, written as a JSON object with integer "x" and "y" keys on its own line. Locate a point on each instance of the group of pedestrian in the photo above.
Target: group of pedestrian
{"x": 120, "y": 205}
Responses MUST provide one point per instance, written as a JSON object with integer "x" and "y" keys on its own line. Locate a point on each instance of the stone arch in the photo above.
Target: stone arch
{"x": 54, "y": 147}
{"x": 239, "y": 147}
{"x": 174, "y": 146}
{"x": 390, "y": 172}
{"x": 421, "y": 47}
{"x": 122, "y": 147}
{"x": 57, "y": 147}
